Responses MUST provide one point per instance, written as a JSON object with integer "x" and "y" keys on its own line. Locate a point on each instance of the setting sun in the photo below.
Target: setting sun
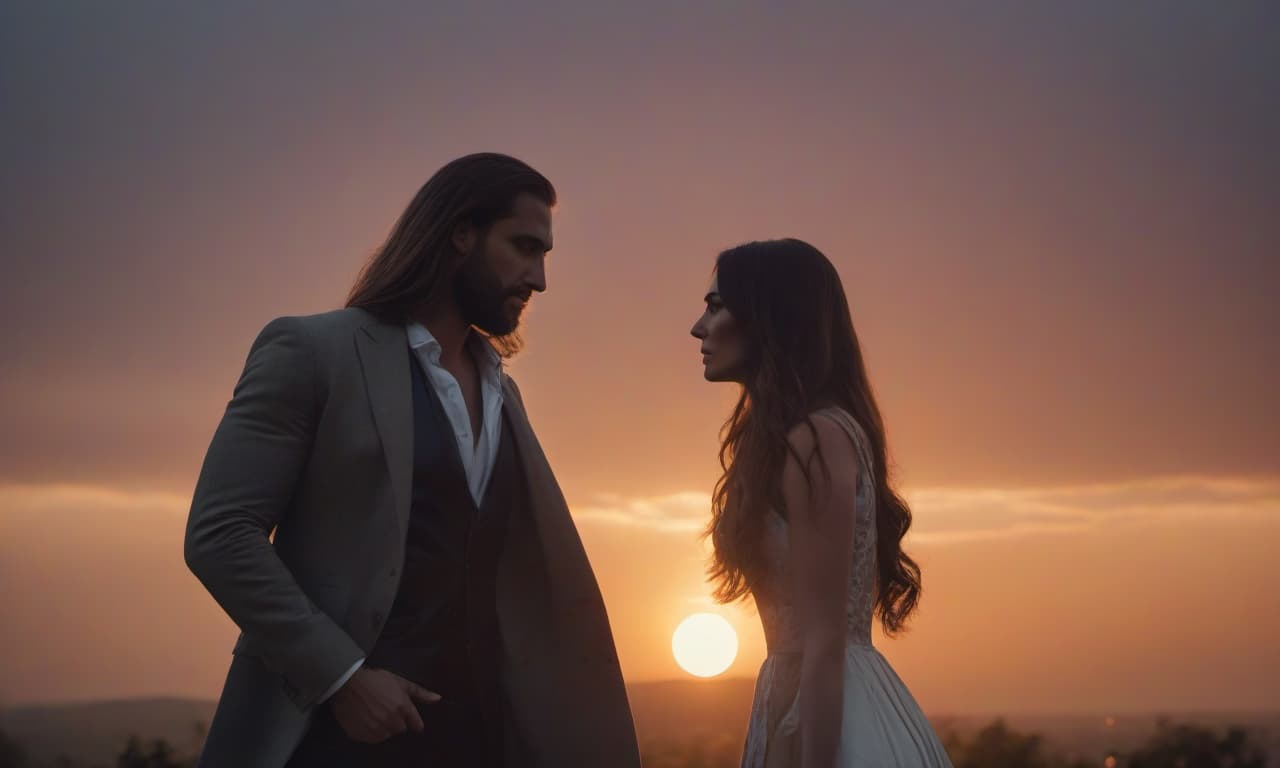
{"x": 704, "y": 644}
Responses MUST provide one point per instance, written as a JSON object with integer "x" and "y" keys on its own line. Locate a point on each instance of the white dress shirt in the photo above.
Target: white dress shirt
{"x": 478, "y": 455}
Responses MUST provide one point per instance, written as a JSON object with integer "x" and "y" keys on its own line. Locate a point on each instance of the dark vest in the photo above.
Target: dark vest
{"x": 442, "y": 631}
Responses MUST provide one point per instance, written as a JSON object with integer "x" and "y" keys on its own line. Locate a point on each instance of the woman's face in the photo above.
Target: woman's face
{"x": 724, "y": 354}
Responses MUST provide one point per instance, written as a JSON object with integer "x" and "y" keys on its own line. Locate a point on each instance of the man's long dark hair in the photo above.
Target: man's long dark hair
{"x": 802, "y": 355}
{"x": 414, "y": 266}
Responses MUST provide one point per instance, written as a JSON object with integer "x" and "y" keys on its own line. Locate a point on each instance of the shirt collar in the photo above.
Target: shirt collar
{"x": 490, "y": 362}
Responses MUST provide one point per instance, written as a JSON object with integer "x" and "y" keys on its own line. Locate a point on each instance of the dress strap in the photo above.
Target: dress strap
{"x": 855, "y": 432}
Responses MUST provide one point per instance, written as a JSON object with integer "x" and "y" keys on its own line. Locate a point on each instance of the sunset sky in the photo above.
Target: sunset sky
{"x": 1058, "y": 226}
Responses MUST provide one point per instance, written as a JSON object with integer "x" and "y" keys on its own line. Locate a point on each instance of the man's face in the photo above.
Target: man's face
{"x": 502, "y": 270}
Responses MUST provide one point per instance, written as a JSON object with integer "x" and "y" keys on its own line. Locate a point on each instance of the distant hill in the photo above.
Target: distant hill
{"x": 672, "y": 718}
{"x": 668, "y": 715}
{"x": 685, "y": 710}
{"x": 93, "y": 733}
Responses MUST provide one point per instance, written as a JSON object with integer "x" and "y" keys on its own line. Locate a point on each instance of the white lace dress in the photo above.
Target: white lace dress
{"x": 882, "y": 726}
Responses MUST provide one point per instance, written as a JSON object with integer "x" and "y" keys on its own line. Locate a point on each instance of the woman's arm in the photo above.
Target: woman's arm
{"x": 820, "y": 513}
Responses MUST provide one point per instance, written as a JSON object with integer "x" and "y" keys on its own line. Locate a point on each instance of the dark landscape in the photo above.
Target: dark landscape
{"x": 681, "y": 724}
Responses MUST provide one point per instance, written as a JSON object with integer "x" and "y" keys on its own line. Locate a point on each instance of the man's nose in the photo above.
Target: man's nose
{"x": 537, "y": 277}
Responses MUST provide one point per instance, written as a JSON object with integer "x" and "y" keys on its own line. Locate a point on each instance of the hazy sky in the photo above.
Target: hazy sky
{"x": 1056, "y": 223}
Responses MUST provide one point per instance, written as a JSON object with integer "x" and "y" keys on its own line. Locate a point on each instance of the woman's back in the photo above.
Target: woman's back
{"x": 772, "y": 589}
{"x": 882, "y": 725}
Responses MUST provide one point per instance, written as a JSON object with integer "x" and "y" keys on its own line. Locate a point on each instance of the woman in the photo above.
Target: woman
{"x": 804, "y": 519}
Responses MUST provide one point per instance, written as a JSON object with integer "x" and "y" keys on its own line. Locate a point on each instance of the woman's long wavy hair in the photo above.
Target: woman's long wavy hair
{"x": 414, "y": 265}
{"x": 802, "y": 355}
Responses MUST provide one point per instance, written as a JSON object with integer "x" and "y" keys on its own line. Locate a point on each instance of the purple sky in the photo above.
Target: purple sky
{"x": 1058, "y": 226}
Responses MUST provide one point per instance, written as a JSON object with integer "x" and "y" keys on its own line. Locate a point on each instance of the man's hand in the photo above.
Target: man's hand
{"x": 375, "y": 705}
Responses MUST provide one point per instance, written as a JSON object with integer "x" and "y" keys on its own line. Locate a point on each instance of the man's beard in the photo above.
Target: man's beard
{"x": 482, "y": 300}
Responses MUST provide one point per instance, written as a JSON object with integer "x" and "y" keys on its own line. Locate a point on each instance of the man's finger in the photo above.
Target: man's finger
{"x": 418, "y": 693}
{"x": 412, "y": 717}
{"x": 398, "y": 722}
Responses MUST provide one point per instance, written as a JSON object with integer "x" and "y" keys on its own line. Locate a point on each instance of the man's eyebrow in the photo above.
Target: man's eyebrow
{"x": 543, "y": 244}
{"x": 710, "y": 296}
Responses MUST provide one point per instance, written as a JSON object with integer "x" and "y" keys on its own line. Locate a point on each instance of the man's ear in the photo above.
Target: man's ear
{"x": 464, "y": 237}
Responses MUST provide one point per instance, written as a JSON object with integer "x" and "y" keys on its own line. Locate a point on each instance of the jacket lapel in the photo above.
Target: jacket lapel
{"x": 555, "y": 629}
{"x": 570, "y": 579}
{"x": 545, "y": 498}
{"x": 384, "y": 357}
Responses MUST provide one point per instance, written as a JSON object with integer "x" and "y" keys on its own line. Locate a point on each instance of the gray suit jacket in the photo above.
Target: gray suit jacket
{"x": 317, "y": 446}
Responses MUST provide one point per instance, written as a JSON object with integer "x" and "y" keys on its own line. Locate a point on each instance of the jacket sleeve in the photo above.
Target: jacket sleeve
{"x": 248, "y": 480}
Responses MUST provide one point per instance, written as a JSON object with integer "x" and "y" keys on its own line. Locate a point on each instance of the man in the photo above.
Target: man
{"x": 425, "y": 599}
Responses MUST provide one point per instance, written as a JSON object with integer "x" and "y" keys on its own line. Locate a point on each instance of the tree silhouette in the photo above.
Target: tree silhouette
{"x": 161, "y": 755}
{"x": 690, "y": 755}
{"x": 199, "y": 732}
{"x": 12, "y": 755}
{"x": 1193, "y": 746}
{"x": 999, "y": 746}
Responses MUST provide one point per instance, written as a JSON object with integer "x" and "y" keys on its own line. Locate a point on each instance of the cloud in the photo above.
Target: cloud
{"x": 21, "y": 500}
{"x": 98, "y": 602}
{"x": 681, "y": 513}
{"x": 958, "y": 514}
{"x": 941, "y": 515}
{"x": 947, "y": 515}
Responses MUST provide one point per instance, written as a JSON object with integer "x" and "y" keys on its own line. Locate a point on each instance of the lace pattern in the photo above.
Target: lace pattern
{"x": 773, "y": 592}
